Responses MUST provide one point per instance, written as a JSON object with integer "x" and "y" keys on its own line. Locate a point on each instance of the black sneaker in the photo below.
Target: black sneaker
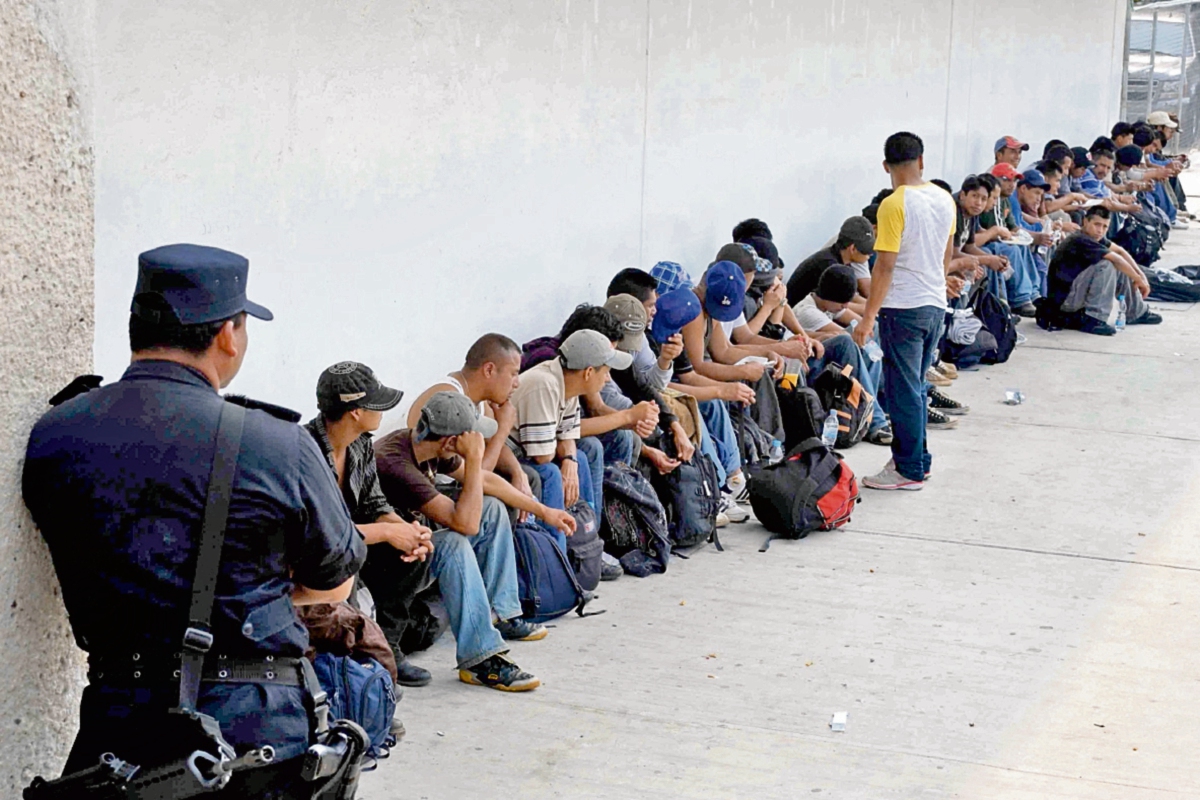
{"x": 610, "y": 572}
{"x": 881, "y": 435}
{"x": 935, "y": 419}
{"x": 408, "y": 673}
{"x": 1149, "y": 318}
{"x": 500, "y": 673}
{"x": 1026, "y": 310}
{"x": 521, "y": 630}
{"x": 947, "y": 405}
{"x": 1093, "y": 325}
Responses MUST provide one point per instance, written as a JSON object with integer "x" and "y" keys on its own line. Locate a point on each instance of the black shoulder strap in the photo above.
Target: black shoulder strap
{"x": 198, "y": 639}
{"x": 808, "y": 487}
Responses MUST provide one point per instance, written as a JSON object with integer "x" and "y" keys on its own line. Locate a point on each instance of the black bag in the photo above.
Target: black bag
{"x": 634, "y": 527}
{"x": 811, "y": 489}
{"x": 754, "y": 445}
{"x": 998, "y": 322}
{"x": 803, "y": 414}
{"x": 691, "y": 496}
{"x": 842, "y": 393}
{"x": 1142, "y": 237}
{"x": 585, "y": 547}
{"x": 1175, "y": 291}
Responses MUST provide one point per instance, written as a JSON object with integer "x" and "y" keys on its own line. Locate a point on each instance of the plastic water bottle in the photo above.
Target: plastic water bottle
{"x": 830, "y": 431}
{"x": 1120, "y": 312}
{"x": 872, "y": 349}
{"x": 776, "y": 452}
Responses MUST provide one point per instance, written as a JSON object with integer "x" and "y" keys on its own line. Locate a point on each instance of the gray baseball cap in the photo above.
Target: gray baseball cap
{"x": 588, "y": 348}
{"x": 630, "y": 312}
{"x": 859, "y": 232}
{"x": 451, "y": 414}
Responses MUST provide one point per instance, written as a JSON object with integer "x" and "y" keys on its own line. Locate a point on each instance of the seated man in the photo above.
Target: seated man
{"x": 1012, "y": 273}
{"x": 1087, "y": 276}
{"x": 351, "y": 401}
{"x": 854, "y": 246}
{"x": 473, "y": 558}
{"x": 1008, "y": 150}
{"x": 548, "y": 421}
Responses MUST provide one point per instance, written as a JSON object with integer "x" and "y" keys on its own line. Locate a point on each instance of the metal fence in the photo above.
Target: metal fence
{"x": 1162, "y": 72}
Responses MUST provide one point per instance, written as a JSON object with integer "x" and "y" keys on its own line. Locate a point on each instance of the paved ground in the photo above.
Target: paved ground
{"x": 1025, "y": 627}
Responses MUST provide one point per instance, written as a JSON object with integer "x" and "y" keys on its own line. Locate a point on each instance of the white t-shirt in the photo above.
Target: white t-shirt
{"x": 916, "y": 223}
{"x": 810, "y": 317}
{"x": 730, "y": 327}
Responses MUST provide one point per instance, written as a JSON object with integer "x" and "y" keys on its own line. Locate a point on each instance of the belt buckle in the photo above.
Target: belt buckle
{"x": 197, "y": 640}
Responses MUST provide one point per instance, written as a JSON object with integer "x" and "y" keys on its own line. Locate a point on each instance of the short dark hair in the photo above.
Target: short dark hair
{"x": 490, "y": 347}
{"x": 871, "y": 212}
{"x": 1143, "y": 137}
{"x": 1097, "y": 211}
{"x": 1103, "y": 143}
{"x": 587, "y": 317}
{"x": 1049, "y": 165}
{"x": 903, "y": 148}
{"x": 1103, "y": 153}
{"x": 1052, "y": 145}
{"x": 634, "y": 281}
{"x": 1121, "y": 129}
{"x": 1161, "y": 136}
{"x": 881, "y": 195}
{"x": 971, "y": 183}
{"x": 750, "y": 227}
{"x": 941, "y": 184}
{"x": 1058, "y": 153}
{"x": 169, "y": 334}
{"x": 991, "y": 182}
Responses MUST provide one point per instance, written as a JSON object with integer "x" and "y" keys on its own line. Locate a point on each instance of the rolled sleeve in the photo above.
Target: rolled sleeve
{"x": 329, "y": 549}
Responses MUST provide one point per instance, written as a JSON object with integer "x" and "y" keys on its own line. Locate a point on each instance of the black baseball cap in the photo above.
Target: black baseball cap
{"x": 1080, "y": 157}
{"x": 188, "y": 284}
{"x": 348, "y": 385}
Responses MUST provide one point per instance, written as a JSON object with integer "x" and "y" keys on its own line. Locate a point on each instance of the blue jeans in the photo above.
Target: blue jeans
{"x": 841, "y": 349}
{"x": 1025, "y": 282}
{"x": 590, "y": 454}
{"x": 552, "y": 495}
{"x": 618, "y": 446}
{"x": 478, "y": 575}
{"x": 722, "y": 441}
{"x": 910, "y": 338}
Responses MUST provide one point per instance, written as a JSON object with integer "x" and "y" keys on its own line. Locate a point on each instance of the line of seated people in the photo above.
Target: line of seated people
{"x": 521, "y": 432}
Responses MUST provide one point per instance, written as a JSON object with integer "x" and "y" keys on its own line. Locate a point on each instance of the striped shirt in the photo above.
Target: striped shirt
{"x": 544, "y": 415}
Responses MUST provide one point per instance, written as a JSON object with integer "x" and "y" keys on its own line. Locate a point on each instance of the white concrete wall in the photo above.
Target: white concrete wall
{"x": 45, "y": 340}
{"x": 406, "y": 176}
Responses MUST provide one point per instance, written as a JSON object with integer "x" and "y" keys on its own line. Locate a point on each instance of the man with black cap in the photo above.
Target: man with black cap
{"x": 854, "y": 246}
{"x": 352, "y": 401}
{"x": 117, "y": 480}
{"x": 473, "y": 557}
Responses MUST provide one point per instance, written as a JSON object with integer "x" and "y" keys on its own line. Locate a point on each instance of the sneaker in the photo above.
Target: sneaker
{"x": 1180, "y": 224}
{"x": 732, "y": 511}
{"x": 397, "y": 730}
{"x": 610, "y": 572}
{"x": 892, "y": 466}
{"x": 881, "y": 435}
{"x": 408, "y": 673}
{"x": 738, "y": 488}
{"x": 722, "y": 520}
{"x": 888, "y": 479}
{"x": 947, "y": 369}
{"x": 936, "y": 419}
{"x": 947, "y": 405}
{"x": 936, "y": 378}
{"x": 1149, "y": 318}
{"x": 498, "y": 672}
{"x": 1097, "y": 327}
{"x": 521, "y": 630}
{"x": 1026, "y": 310}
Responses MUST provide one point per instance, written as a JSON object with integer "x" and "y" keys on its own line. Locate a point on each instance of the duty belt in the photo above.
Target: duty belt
{"x": 136, "y": 669}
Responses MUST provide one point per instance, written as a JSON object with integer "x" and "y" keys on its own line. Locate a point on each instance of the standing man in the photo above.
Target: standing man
{"x": 908, "y": 297}
{"x": 117, "y": 481}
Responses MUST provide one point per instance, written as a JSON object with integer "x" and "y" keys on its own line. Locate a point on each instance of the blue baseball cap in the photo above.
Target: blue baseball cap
{"x": 189, "y": 284}
{"x": 724, "y": 291}
{"x": 670, "y": 276}
{"x": 672, "y": 311}
{"x": 1034, "y": 178}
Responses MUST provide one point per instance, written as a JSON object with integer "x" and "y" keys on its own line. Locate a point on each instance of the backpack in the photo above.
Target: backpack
{"x": 812, "y": 489}
{"x": 754, "y": 445}
{"x": 584, "y": 547}
{"x": 1142, "y": 237}
{"x": 1180, "y": 285}
{"x": 998, "y": 322}
{"x": 546, "y": 583}
{"x": 634, "y": 527}
{"x": 841, "y": 393}
{"x": 691, "y": 495}
{"x": 803, "y": 414}
{"x": 362, "y": 692}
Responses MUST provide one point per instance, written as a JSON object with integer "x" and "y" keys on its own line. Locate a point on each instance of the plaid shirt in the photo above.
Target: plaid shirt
{"x": 361, "y": 490}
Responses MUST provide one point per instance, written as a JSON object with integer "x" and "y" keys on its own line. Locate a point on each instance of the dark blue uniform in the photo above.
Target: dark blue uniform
{"x": 116, "y": 480}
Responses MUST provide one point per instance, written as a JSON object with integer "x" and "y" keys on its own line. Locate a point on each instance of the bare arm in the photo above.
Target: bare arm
{"x": 303, "y": 596}
{"x": 462, "y": 515}
{"x": 693, "y": 343}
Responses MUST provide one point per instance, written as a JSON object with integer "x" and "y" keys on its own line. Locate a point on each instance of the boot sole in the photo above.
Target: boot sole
{"x": 469, "y": 678}
{"x": 535, "y": 637}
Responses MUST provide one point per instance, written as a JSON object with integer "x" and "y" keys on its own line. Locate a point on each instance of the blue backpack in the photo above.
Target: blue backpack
{"x": 362, "y": 692}
{"x": 545, "y": 580}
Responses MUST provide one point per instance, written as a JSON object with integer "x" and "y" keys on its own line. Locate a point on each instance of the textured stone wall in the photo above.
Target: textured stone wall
{"x": 46, "y": 327}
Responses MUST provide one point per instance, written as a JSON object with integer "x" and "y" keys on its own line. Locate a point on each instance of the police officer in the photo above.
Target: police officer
{"x": 116, "y": 479}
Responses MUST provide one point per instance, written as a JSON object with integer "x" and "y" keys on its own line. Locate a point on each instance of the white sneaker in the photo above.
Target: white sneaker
{"x": 737, "y": 487}
{"x": 722, "y": 520}
{"x": 889, "y": 479}
{"x": 732, "y": 511}
{"x": 1180, "y": 224}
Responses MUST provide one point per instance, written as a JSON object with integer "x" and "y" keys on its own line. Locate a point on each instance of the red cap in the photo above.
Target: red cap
{"x": 1005, "y": 171}
{"x": 1011, "y": 142}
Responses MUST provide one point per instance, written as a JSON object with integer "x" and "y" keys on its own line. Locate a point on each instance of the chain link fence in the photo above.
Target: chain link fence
{"x": 1162, "y": 72}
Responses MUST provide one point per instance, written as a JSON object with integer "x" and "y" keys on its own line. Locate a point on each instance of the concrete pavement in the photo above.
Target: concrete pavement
{"x": 1025, "y": 627}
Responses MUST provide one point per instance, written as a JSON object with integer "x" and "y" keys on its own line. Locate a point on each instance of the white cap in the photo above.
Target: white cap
{"x": 589, "y": 348}
{"x": 1161, "y": 118}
